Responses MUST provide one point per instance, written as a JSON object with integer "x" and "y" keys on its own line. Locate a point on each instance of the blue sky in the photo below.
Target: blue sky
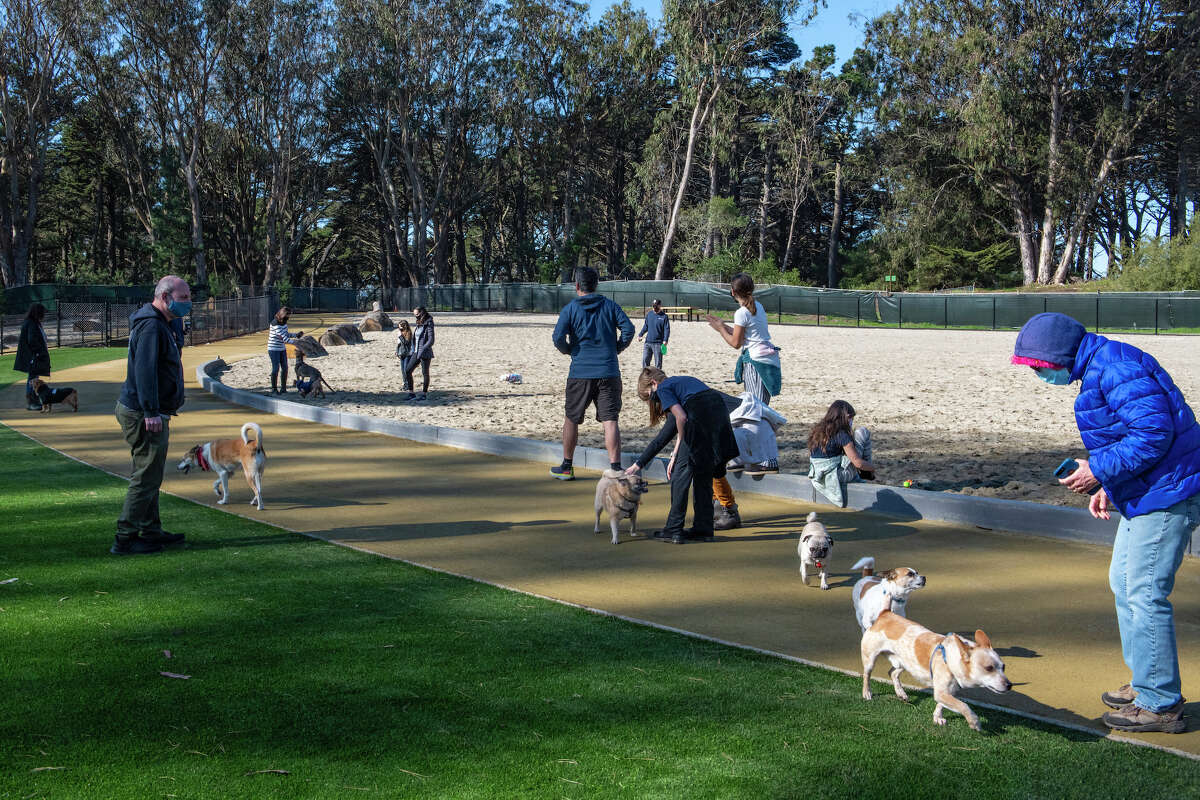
{"x": 839, "y": 24}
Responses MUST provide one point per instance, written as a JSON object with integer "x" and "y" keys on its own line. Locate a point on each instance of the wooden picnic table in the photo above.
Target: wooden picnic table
{"x": 681, "y": 312}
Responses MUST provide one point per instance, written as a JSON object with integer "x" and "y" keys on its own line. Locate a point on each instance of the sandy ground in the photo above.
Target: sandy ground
{"x": 945, "y": 408}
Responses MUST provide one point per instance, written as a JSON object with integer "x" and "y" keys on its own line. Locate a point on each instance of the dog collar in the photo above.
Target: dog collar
{"x": 200, "y": 460}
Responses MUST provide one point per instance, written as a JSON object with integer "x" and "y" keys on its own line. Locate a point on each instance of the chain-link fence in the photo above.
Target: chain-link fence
{"x": 72, "y": 324}
{"x": 1165, "y": 312}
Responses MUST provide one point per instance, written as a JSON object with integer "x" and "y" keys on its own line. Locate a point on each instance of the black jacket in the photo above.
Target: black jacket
{"x": 154, "y": 375}
{"x": 33, "y": 356}
{"x": 708, "y": 434}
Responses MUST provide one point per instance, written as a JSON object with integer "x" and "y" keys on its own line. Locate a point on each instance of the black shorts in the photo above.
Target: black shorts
{"x": 604, "y": 392}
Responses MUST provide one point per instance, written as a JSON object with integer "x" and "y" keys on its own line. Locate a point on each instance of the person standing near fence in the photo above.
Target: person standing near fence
{"x": 33, "y": 353}
{"x": 152, "y": 393}
{"x": 1143, "y": 460}
{"x": 277, "y": 341}
{"x": 657, "y": 332}
{"x": 587, "y": 331}
{"x": 421, "y": 354}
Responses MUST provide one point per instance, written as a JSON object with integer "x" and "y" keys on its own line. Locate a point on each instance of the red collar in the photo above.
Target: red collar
{"x": 200, "y": 460}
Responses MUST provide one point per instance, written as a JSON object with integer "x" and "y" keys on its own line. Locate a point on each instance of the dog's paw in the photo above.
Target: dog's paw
{"x": 867, "y": 694}
{"x": 223, "y": 501}
{"x": 824, "y": 586}
{"x": 939, "y": 720}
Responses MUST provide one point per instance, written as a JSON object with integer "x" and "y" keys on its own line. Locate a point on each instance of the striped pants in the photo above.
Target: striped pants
{"x": 753, "y": 384}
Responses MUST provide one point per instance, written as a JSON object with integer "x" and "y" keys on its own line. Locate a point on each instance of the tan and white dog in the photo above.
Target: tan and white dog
{"x": 815, "y": 548}
{"x": 222, "y": 456}
{"x": 888, "y": 591}
{"x": 946, "y": 663}
{"x": 619, "y": 495}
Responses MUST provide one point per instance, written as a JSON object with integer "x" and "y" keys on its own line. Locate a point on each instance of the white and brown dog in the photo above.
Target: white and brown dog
{"x": 946, "y": 663}
{"x": 619, "y": 495}
{"x": 222, "y": 456}
{"x": 815, "y": 548}
{"x": 888, "y": 591}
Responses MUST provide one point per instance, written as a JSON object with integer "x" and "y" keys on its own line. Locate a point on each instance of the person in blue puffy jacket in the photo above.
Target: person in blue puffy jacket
{"x": 1143, "y": 460}
{"x": 587, "y": 332}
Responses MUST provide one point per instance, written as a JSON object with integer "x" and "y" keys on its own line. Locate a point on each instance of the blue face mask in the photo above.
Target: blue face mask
{"x": 1054, "y": 377}
{"x": 180, "y": 308}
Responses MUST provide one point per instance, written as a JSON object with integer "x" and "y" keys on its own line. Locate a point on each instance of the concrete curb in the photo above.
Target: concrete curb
{"x": 1014, "y": 516}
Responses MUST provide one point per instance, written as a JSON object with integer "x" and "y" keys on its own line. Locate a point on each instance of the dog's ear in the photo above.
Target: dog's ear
{"x": 806, "y": 537}
{"x": 982, "y": 639}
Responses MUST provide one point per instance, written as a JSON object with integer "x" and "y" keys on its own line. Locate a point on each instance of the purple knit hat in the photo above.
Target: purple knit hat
{"x": 1048, "y": 340}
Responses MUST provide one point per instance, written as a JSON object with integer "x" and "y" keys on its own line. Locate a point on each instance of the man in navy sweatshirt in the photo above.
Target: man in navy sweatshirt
{"x": 153, "y": 392}
{"x": 657, "y": 332}
{"x": 587, "y": 332}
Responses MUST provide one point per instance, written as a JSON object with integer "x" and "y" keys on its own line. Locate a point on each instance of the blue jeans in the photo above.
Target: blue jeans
{"x": 652, "y": 351}
{"x": 278, "y": 365}
{"x": 1146, "y": 554}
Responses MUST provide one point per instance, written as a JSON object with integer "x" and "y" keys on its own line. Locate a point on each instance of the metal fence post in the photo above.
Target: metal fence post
{"x": 818, "y": 311}
{"x": 946, "y": 312}
{"x": 1097, "y": 311}
{"x": 779, "y": 308}
{"x": 58, "y": 323}
{"x": 107, "y": 323}
{"x": 1, "y": 331}
{"x": 900, "y": 311}
{"x": 1156, "y": 315}
{"x": 858, "y": 312}
{"x": 993, "y": 312}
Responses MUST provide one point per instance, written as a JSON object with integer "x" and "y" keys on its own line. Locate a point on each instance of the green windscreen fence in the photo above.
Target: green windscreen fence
{"x": 1148, "y": 312}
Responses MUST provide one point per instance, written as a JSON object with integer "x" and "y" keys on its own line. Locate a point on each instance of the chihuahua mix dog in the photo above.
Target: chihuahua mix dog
{"x": 947, "y": 663}
{"x": 887, "y": 591}
{"x": 223, "y": 456}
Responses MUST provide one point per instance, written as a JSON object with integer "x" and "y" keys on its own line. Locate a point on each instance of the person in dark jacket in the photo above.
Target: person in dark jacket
{"x": 1143, "y": 460}
{"x": 656, "y": 331}
{"x": 33, "y": 354}
{"x": 420, "y": 354}
{"x": 587, "y": 332}
{"x": 704, "y": 444}
{"x": 152, "y": 393}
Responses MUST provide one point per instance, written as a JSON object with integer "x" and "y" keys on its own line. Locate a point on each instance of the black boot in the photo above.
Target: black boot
{"x": 133, "y": 546}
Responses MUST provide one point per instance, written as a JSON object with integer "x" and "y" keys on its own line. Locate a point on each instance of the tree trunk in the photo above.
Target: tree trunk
{"x": 1053, "y": 156}
{"x": 193, "y": 185}
{"x": 1179, "y": 225}
{"x": 710, "y": 235}
{"x": 763, "y": 204}
{"x": 698, "y": 118}
{"x": 835, "y": 227}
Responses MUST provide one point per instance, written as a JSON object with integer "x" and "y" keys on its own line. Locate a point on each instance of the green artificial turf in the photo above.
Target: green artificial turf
{"x": 60, "y": 358}
{"x": 317, "y": 671}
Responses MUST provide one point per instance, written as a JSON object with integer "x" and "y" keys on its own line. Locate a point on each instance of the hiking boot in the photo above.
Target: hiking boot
{"x": 162, "y": 537}
{"x": 691, "y": 535}
{"x": 763, "y": 468}
{"x": 726, "y": 519}
{"x": 1121, "y": 697}
{"x": 563, "y": 473}
{"x": 678, "y": 537}
{"x": 133, "y": 546}
{"x": 1135, "y": 718}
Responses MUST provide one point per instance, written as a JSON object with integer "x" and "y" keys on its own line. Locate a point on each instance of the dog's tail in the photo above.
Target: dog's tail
{"x": 327, "y": 386}
{"x": 866, "y": 564}
{"x": 258, "y": 443}
{"x": 812, "y": 517}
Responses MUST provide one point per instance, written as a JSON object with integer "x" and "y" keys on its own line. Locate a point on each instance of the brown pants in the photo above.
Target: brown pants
{"x": 723, "y": 492}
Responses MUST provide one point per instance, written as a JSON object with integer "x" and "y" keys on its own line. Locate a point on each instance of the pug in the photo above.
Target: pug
{"x": 619, "y": 496}
{"x": 815, "y": 547}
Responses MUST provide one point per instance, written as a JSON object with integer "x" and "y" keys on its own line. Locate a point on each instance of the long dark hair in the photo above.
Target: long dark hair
{"x": 37, "y": 312}
{"x": 281, "y": 316}
{"x": 839, "y": 417}
{"x": 742, "y": 288}
{"x": 405, "y": 330}
{"x": 645, "y": 390}
{"x": 422, "y": 314}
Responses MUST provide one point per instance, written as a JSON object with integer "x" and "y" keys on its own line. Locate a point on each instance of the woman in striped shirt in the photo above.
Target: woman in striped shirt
{"x": 277, "y": 338}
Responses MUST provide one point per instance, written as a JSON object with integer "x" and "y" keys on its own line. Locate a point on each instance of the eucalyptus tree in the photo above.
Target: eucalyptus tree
{"x": 274, "y": 126}
{"x": 1013, "y": 93}
{"x": 35, "y": 97}
{"x": 710, "y": 44}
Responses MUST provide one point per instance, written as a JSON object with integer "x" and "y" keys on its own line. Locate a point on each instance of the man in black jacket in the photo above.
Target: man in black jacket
{"x": 153, "y": 392}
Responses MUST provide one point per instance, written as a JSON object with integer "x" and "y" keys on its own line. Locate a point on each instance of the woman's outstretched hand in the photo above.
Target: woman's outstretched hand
{"x": 633, "y": 470}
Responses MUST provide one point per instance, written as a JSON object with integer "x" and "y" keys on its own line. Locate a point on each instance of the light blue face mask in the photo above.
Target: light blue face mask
{"x": 180, "y": 308}
{"x": 1054, "y": 377}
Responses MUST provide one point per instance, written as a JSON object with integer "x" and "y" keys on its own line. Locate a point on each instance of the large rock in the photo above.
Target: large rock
{"x": 376, "y": 321}
{"x": 331, "y": 339}
{"x": 349, "y": 332}
{"x": 308, "y": 345}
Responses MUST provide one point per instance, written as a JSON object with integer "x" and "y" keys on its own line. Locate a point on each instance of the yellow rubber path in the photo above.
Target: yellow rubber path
{"x": 1045, "y": 603}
